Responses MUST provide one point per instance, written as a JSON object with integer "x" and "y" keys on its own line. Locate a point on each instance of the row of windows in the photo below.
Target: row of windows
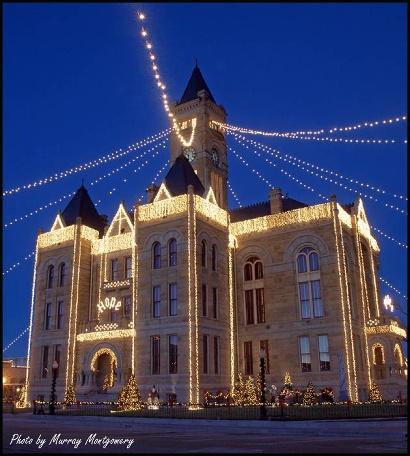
{"x": 304, "y": 354}
{"x": 61, "y": 276}
{"x": 309, "y": 287}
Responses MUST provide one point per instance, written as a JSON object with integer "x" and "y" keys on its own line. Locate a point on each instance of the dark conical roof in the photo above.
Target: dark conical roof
{"x": 82, "y": 206}
{"x": 180, "y": 176}
{"x": 195, "y": 84}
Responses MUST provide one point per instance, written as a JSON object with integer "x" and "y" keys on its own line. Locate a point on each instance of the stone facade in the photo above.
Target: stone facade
{"x": 184, "y": 294}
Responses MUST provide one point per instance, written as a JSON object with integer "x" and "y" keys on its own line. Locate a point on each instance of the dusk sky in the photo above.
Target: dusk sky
{"x": 78, "y": 86}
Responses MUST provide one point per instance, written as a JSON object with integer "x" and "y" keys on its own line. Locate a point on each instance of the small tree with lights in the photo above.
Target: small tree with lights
{"x": 21, "y": 401}
{"x": 239, "y": 390}
{"x": 250, "y": 391}
{"x": 287, "y": 383}
{"x": 69, "y": 396}
{"x": 310, "y": 396}
{"x": 374, "y": 394}
{"x": 130, "y": 397}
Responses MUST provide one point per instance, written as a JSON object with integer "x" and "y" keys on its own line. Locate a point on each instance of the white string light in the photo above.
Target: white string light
{"x": 113, "y": 156}
{"x": 161, "y": 85}
{"x": 389, "y": 237}
{"x": 157, "y": 176}
{"x": 18, "y": 264}
{"x": 15, "y": 340}
{"x": 234, "y": 195}
{"x": 271, "y": 151}
{"x": 392, "y": 287}
{"x": 73, "y": 193}
{"x": 296, "y": 135}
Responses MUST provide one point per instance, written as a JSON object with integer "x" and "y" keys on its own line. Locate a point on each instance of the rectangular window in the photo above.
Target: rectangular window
{"x": 44, "y": 362}
{"x": 304, "y": 299}
{"x": 324, "y": 358}
{"x": 249, "y": 307}
{"x": 48, "y": 316}
{"x": 248, "y": 358}
{"x": 113, "y": 315}
{"x": 156, "y": 347}
{"x": 260, "y": 305}
{"x": 205, "y": 340}
{"x": 114, "y": 269}
{"x": 173, "y": 354}
{"x": 57, "y": 357}
{"x": 173, "y": 307}
{"x": 216, "y": 355}
{"x": 127, "y": 306}
{"x": 156, "y": 301}
{"x": 204, "y": 301}
{"x": 264, "y": 345}
{"x": 305, "y": 360}
{"x": 317, "y": 299}
{"x": 215, "y": 302}
{"x": 60, "y": 309}
{"x": 128, "y": 267}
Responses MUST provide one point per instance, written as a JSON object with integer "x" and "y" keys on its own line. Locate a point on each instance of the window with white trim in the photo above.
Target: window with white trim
{"x": 308, "y": 276}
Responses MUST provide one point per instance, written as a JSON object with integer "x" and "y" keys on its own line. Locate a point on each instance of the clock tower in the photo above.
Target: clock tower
{"x": 197, "y": 133}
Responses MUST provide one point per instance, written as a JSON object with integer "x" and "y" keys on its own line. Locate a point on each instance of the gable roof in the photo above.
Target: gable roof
{"x": 180, "y": 176}
{"x": 82, "y": 206}
{"x": 195, "y": 85}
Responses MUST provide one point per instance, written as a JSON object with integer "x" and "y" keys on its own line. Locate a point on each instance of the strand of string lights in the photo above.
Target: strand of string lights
{"x": 393, "y": 288}
{"x": 18, "y": 263}
{"x": 277, "y": 154}
{"x": 155, "y": 70}
{"x": 306, "y": 186}
{"x": 73, "y": 193}
{"x": 281, "y": 170}
{"x": 15, "y": 340}
{"x": 234, "y": 195}
{"x": 308, "y": 134}
{"x": 112, "y": 156}
{"x": 166, "y": 164}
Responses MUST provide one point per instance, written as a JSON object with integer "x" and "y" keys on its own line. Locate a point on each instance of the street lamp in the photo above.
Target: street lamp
{"x": 53, "y": 387}
{"x": 263, "y": 412}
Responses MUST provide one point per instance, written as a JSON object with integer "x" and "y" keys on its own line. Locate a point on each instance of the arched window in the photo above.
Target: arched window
{"x": 62, "y": 275}
{"x": 172, "y": 252}
{"x": 254, "y": 291}
{"x": 50, "y": 277}
{"x": 214, "y": 255}
{"x": 253, "y": 269}
{"x": 310, "y": 293}
{"x": 203, "y": 253}
{"x": 156, "y": 255}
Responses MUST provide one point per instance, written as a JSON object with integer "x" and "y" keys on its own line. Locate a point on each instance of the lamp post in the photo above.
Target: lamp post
{"x": 263, "y": 412}
{"x": 53, "y": 387}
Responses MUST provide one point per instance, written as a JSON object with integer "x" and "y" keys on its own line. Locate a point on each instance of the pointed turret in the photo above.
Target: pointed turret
{"x": 82, "y": 206}
{"x": 195, "y": 85}
{"x": 180, "y": 176}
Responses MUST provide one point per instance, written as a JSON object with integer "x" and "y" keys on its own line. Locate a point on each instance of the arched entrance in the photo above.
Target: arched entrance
{"x": 104, "y": 364}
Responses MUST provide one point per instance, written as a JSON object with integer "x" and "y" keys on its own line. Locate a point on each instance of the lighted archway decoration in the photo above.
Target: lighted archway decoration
{"x": 113, "y": 358}
{"x": 399, "y": 358}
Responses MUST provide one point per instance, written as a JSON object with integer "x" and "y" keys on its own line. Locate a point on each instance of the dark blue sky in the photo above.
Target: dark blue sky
{"x": 77, "y": 86}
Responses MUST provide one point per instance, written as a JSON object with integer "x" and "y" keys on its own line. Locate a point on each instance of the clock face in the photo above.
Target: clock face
{"x": 190, "y": 153}
{"x": 215, "y": 156}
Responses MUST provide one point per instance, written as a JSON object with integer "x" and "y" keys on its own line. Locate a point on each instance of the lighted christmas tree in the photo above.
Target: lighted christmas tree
{"x": 130, "y": 397}
{"x": 250, "y": 392}
{"x": 21, "y": 401}
{"x": 287, "y": 383}
{"x": 239, "y": 390}
{"x": 107, "y": 384}
{"x": 374, "y": 395}
{"x": 258, "y": 388}
{"x": 310, "y": 395}
{"x": 69, "y": 396}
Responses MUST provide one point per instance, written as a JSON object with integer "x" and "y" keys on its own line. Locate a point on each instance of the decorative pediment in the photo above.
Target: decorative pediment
{"x": 359, "y": 210}
{"x": 121, "y": 222}
{"x": 58, "y": 222}
{"x": 210, "y": 196}
{"x": 162, "y": 194}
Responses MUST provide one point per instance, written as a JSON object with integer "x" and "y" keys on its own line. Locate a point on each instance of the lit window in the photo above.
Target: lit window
{"x": 305, "y": 361}
{"x": 324, "y": 357}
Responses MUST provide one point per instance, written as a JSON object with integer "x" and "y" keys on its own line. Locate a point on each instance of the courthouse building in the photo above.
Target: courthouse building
{"x": 183, "y": 292}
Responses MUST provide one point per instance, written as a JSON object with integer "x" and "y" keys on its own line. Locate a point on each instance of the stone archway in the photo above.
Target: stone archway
{"x": 104, "y": 364}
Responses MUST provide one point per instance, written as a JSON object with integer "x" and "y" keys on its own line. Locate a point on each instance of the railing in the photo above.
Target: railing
{"x": 224, "y": 412}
